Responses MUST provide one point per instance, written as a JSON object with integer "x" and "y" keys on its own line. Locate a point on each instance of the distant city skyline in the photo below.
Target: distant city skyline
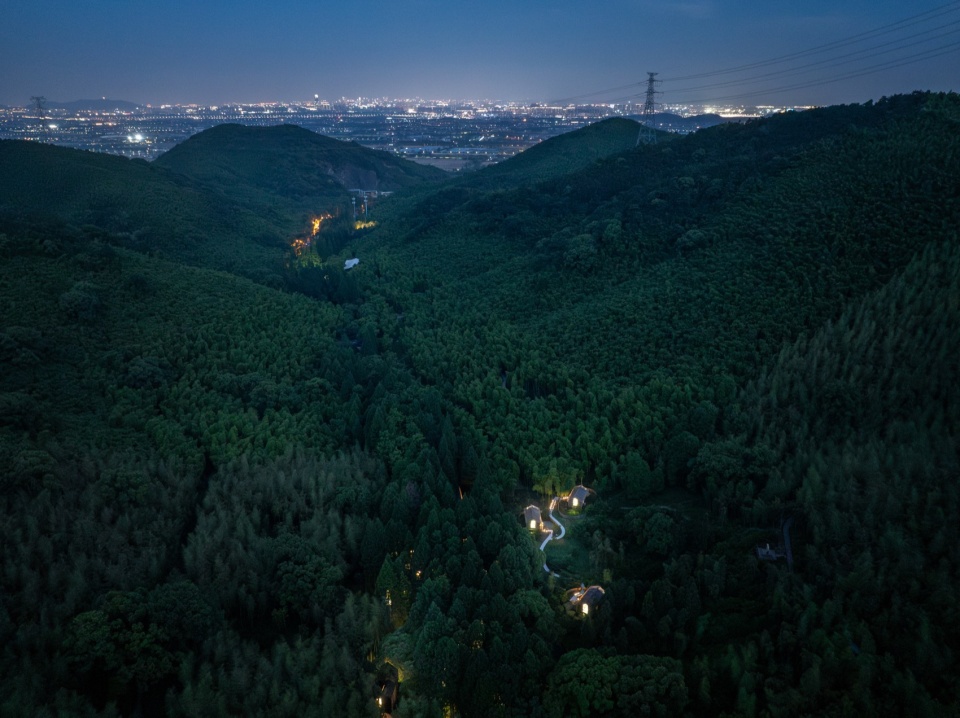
{"x": 526, "y": 50}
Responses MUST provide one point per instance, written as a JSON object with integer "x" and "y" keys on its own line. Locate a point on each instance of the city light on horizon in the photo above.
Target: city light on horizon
{"x": 451, "y": 134}
{"x": 235, "y": 54}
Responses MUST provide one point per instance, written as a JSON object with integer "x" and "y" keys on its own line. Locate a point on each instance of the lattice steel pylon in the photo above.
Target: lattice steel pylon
{"x": 40, "y": 107}
{"x": 648, "y": 134}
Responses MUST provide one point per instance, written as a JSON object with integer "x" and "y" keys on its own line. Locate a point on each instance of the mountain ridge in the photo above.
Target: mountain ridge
{"x": 289, "y": 165}
{"x": 141, "y": 205}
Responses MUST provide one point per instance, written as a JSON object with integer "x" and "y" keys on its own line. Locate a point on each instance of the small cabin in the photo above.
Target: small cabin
{"x": 387, "y": 689}
{"x": 590, "y": 599}
{"x": 387, "y": 697}
{"x": 766, "y": 553}
{"x": 351, "y": 263}
{"x": 585, "y": 599}
{"x": 577, "y": 497}
{"x": 532, "y": 518}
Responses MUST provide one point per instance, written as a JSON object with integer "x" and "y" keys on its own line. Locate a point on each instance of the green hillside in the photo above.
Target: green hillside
{"x": 492, "y": 193}
{"x": 225, "y": 498}
{"x": 563, "y": 154}
{"x": 137, "y": 205}
{"x": 858, "y": 425}
{"x": 674, "y": 251}
{"x": 286, "y": 171}
{"x": 230, "y": 198}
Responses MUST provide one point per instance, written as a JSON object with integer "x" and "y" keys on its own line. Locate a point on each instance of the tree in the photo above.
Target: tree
{"x": 659, "y": 533}
{"x": 394, "y": 587}
{"x": 118, "y": 646}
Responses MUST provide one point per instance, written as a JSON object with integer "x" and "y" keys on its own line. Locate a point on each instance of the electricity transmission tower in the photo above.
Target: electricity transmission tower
{"x": 40, "y": 107}
{"x": 648, "y": 135}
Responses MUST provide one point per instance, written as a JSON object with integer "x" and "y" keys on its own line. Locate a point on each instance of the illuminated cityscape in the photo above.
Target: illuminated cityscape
{"x": 450, "y": 134}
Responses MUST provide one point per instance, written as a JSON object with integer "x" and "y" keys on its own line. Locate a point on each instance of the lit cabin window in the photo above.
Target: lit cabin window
{"x": 533, "y": 524}
{"x": 379, "y": 701}
{"x": 585, "y": 608}
{"x": 575, "y": 502}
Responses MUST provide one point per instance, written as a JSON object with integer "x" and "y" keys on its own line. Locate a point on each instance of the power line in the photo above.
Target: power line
{"x": 846, "y": 59}
{"x": 893, "y": 64}
{"x": 843, "y": 42}
{"x": 890, "y": 65}
{"x": 862, "y": 54}
{"x": 40, "y": 107}
{"x": 647, "y": 134}
{"x": 574, "y": 98}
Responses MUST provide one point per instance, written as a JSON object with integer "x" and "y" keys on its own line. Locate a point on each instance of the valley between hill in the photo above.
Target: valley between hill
{"x": 238, "y": 479}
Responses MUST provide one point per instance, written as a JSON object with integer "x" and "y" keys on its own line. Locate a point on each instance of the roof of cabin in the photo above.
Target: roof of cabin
{"x": 579, "y": 492}
{"x": 592, "y": 596}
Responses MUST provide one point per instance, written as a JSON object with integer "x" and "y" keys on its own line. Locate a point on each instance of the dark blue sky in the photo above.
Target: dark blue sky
{"x": 213, "y": 51}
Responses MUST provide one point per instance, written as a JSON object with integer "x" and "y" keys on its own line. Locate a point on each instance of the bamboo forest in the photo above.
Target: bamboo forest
{"x": 606, "y": 429}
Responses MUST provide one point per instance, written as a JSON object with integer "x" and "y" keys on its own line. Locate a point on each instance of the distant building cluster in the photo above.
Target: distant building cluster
{"x": 450, "y": 134}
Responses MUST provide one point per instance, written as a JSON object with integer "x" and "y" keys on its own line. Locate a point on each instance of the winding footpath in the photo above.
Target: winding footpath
{"x": 550, "y": 536}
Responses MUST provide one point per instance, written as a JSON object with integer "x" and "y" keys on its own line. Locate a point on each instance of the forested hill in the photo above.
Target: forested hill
{"x": 289, "y": 169}
{"x": 224, "y": 498}
{"x": 702, "y": 254}
{"x": 136, "y": 205}
{"x": 562, "y": 154}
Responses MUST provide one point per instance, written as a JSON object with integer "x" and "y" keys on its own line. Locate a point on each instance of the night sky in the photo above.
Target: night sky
{"x": 218, "y": 51}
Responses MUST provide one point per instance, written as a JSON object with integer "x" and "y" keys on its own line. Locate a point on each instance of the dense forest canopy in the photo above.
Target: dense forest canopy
{"x": 239, "y": 479}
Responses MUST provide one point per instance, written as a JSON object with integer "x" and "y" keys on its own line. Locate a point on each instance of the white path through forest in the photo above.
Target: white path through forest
{"x": 550, "y": 536}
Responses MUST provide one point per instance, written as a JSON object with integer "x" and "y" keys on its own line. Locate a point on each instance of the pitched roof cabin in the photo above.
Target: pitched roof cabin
{"x": 590, "y": 599}
{"x": 387, "y": 697}
{"x": 578, "y": 496}
{"x": 532, "y": 519}
{"x": 584, "y": 600}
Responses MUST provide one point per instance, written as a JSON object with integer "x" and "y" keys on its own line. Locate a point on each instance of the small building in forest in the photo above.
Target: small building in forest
{"x": 387, "y": 689}
{"x": 532, "y": 518}
{"x": 350, "y": 263}
{"x": 387, "y": 698}
{"x": 585, "y": 599}
{"x": 577, "y": 498}
{"x": 767, "y": 553}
